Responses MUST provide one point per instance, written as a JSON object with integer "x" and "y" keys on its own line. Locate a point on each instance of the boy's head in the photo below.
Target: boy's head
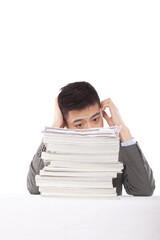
{"x": 80, "y": 106}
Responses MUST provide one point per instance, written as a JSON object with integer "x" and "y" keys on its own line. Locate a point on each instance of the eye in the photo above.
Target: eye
{"x": 96, "y": 119}
{"x": 79, "y": 125}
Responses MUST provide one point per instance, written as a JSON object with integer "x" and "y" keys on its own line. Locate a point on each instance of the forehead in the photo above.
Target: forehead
{"x": 86, "y": 112}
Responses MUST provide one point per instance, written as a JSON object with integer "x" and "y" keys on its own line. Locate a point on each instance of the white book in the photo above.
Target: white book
{"x": 81, "y": 140}
{"x": 66, "y": 140}
{"x": 73, "y": 179}
{"x": 79, "y": 195}
{"x": 91, "y": 132}
{"x": 104, "y": 147}
{"x": 78, "y": 147}
{"x": 90, "y": 158}
{"x": 58, "y": 140}
{"x": 85, "y": 166}
{"x": 76, "y": 191}
{"x": 78, "y": 184}
{"x": 62, "y": 149}
{"x": 77, "y": 173}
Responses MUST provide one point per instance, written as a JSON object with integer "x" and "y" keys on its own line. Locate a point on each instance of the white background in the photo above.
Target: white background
{"x": 44, "y": 45}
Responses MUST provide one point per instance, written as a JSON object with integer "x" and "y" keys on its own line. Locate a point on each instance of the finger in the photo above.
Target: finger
{"x": 106, "y": 100}
{"x": 105, "y": 103}
{"x": 108, "y": 119}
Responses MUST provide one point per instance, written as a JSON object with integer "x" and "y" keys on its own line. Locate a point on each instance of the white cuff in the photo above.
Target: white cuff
{"x": 129, "y": 142}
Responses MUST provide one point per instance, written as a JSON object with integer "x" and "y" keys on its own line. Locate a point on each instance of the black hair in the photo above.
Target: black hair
{"x": 76, "y": 96}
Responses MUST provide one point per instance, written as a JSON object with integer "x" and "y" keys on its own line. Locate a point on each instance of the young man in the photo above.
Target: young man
{"x": 78, "y": 107}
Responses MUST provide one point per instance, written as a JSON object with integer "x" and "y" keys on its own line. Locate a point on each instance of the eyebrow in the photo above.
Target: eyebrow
{"x": 94, "y": 115}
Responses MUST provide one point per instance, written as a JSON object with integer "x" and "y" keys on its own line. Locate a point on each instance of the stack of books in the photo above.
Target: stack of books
{"x": 80, "y": 162}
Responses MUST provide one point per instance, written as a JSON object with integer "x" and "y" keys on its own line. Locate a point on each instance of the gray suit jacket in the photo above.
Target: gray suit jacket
{"x": 137, "y": 176}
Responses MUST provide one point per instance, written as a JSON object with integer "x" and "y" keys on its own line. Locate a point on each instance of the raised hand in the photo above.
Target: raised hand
{"x": 115, "y": 119}
{"x": 58, "y": 117}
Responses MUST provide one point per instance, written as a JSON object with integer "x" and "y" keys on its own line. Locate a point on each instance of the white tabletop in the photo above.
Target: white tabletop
{"x": 27, "y": 217}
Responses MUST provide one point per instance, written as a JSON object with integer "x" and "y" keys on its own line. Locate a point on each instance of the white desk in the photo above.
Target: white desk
{"x": 27, "y": 217}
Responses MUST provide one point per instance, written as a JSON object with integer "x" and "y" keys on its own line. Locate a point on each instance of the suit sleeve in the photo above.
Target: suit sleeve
{"x": 35, "y": 166}
{"x": 137, "y": 176}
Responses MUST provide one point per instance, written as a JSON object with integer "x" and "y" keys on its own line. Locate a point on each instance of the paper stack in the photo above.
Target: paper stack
{"x": 80, "y": 162}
